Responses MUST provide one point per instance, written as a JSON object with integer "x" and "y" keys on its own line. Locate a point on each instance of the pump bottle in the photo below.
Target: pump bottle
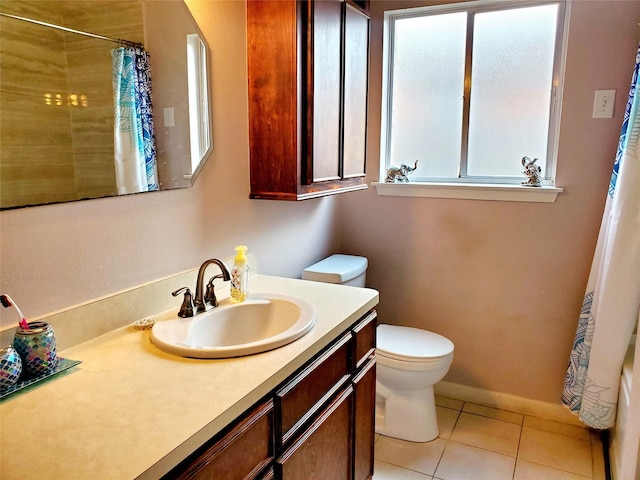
{"x": 240, "y": 275}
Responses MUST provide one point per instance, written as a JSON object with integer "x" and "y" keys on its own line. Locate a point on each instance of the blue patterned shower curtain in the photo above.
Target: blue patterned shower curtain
{"x": 610, "y": 308}
{"x": 134, "y": 140}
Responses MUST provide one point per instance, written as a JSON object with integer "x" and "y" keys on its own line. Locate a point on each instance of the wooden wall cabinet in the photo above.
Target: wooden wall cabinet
{"x": 308, "y": 64}
{"x": 317, "y": 425}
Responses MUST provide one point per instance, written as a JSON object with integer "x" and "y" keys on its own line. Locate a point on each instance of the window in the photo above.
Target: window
{"x": 470, "y": 88}
{"x": 198, "y": 91}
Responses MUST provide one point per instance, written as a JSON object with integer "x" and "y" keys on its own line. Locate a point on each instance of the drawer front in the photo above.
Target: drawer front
{"x": 240, "y": 454}
{"x": 308, "y": 391}
{"x": 365, "y": 339}
{"x": 323, "y": 451}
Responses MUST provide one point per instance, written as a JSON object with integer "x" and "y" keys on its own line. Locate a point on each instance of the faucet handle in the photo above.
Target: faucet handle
{"x": 210, "y": 294}
{"x": 187, "y": 308}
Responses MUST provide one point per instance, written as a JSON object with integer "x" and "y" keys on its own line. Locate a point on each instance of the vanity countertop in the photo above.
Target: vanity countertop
{"x": 130, "y": 410}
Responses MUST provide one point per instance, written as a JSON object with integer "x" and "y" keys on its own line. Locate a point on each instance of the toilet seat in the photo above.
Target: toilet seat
{"x": 409, "y": 344}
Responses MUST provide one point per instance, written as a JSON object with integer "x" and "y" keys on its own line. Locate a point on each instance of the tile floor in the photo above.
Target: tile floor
{"x": 483, "y": 443}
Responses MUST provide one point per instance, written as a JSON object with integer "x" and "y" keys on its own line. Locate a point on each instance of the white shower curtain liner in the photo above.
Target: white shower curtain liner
{"x": 610, "y": 308}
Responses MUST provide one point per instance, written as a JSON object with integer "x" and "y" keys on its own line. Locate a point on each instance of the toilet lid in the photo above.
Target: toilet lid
{"x": 411, "y": 344}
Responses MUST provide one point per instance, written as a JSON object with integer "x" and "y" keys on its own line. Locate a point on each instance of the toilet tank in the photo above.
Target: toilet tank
{"x": 338, "y": 268}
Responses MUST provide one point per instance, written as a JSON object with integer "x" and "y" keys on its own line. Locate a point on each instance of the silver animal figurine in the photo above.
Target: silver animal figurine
{"x": 532, "y": 172}
{"x": 400, "y": 174}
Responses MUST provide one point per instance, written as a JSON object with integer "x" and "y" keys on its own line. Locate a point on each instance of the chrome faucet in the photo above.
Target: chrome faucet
{"x": 202, "y": 303}
{"x": 208, "y": 300}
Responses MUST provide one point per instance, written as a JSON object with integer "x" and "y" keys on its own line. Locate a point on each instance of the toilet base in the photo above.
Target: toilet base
{"x": 406, "y": 415}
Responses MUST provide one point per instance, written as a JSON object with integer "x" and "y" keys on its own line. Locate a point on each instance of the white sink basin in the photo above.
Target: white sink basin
{"x": 262, "y": 322}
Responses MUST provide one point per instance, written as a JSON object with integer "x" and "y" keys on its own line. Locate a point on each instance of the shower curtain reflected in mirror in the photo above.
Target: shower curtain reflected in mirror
{"x": 610, "y": 308}
{"x": 134, "y": 141}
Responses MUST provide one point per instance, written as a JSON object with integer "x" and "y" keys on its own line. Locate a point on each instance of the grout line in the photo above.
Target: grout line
{"x": 447, "y": 440}
{"x": 563, "y": 470}
{"x": 515, "y": 464}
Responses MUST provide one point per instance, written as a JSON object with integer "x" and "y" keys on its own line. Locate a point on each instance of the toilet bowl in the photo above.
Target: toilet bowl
{"x": 409, "y": 361}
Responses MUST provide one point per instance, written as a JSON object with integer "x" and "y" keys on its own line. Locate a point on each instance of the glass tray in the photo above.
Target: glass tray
{"x": 63, "y": 364}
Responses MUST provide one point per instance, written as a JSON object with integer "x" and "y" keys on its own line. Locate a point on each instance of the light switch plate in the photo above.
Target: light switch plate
{"x": 603, "y": 103}
{"x": 169, "y": 120}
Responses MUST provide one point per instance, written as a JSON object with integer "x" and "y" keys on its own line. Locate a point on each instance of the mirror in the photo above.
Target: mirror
{"x": 57, "y": 96}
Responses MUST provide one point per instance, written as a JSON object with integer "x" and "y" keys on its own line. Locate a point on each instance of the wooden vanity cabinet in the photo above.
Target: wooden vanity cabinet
{"x": 316, "y": 425}
{"x": 308, "y": 84}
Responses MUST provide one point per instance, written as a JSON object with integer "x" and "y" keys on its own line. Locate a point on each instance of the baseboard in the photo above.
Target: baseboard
{"x": 505, "y": 401}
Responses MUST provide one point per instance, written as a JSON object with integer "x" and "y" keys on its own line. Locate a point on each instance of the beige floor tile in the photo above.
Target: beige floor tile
{"x": 532, "y": 471}
{"x": 463, "y": 462}
{"x": 556, "y": 450}
{"x": 386, "y": 471}
{"x": 550, "y": 426}
{"x": 446, "y": 421}
{"x": 449, "y": 402}
{"x": 420, "y": 457}
{"x": 504, "y": 415}
{"x": 487, "y": 433}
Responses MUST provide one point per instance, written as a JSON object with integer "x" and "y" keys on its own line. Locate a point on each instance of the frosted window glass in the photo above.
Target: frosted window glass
{"x": 426, "y": 93}
{"x": 511, "y": 87}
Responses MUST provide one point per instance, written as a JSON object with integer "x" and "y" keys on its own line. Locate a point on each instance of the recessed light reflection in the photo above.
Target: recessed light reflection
{"x": 71, "y": 99}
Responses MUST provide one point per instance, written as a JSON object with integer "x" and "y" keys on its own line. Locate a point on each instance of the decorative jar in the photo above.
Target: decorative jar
{"x": 10, "y": 367}
{"x": 37, "y": 347}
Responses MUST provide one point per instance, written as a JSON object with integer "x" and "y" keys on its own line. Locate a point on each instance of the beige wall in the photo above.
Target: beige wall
{"x": 504, "y": 281}
{"x": 60, "y": 255}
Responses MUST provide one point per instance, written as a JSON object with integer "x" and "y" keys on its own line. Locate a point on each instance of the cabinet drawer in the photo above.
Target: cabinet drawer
{"x": 322, "y": 452}
{"x": 308, "y": 391}
{"x": 365, "y": 339}
{"x": 240, "y": 454}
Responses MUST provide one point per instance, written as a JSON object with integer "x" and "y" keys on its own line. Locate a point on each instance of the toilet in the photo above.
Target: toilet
{"x": 410, "y": 361}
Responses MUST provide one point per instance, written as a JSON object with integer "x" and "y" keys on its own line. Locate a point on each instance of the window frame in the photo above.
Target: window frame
{"x": 474, "y": 7}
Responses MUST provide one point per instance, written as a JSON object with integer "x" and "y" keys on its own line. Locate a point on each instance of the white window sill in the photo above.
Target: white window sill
{"x": 470, "y": 191}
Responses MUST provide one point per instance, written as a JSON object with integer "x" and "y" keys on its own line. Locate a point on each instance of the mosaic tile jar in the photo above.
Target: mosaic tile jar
{"x": 10, "y": 367}
{"x": 37, "y": 347}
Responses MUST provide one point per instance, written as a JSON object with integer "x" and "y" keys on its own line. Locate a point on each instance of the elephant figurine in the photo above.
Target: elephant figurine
{"x": 400, "y": 174}
{"x": 532, "y": 172}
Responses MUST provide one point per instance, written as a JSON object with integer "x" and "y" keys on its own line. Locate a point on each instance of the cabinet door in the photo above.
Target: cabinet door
{"x": 323, "y": 452}
{"x": 364, "y": 420}
{"x": 356, "y": 77}
{"x": 324, "y": 89}
{"x": 239, "y": 455}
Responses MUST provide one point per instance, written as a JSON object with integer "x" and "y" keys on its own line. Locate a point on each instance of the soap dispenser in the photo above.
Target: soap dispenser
{"x": 240, "y": 275}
